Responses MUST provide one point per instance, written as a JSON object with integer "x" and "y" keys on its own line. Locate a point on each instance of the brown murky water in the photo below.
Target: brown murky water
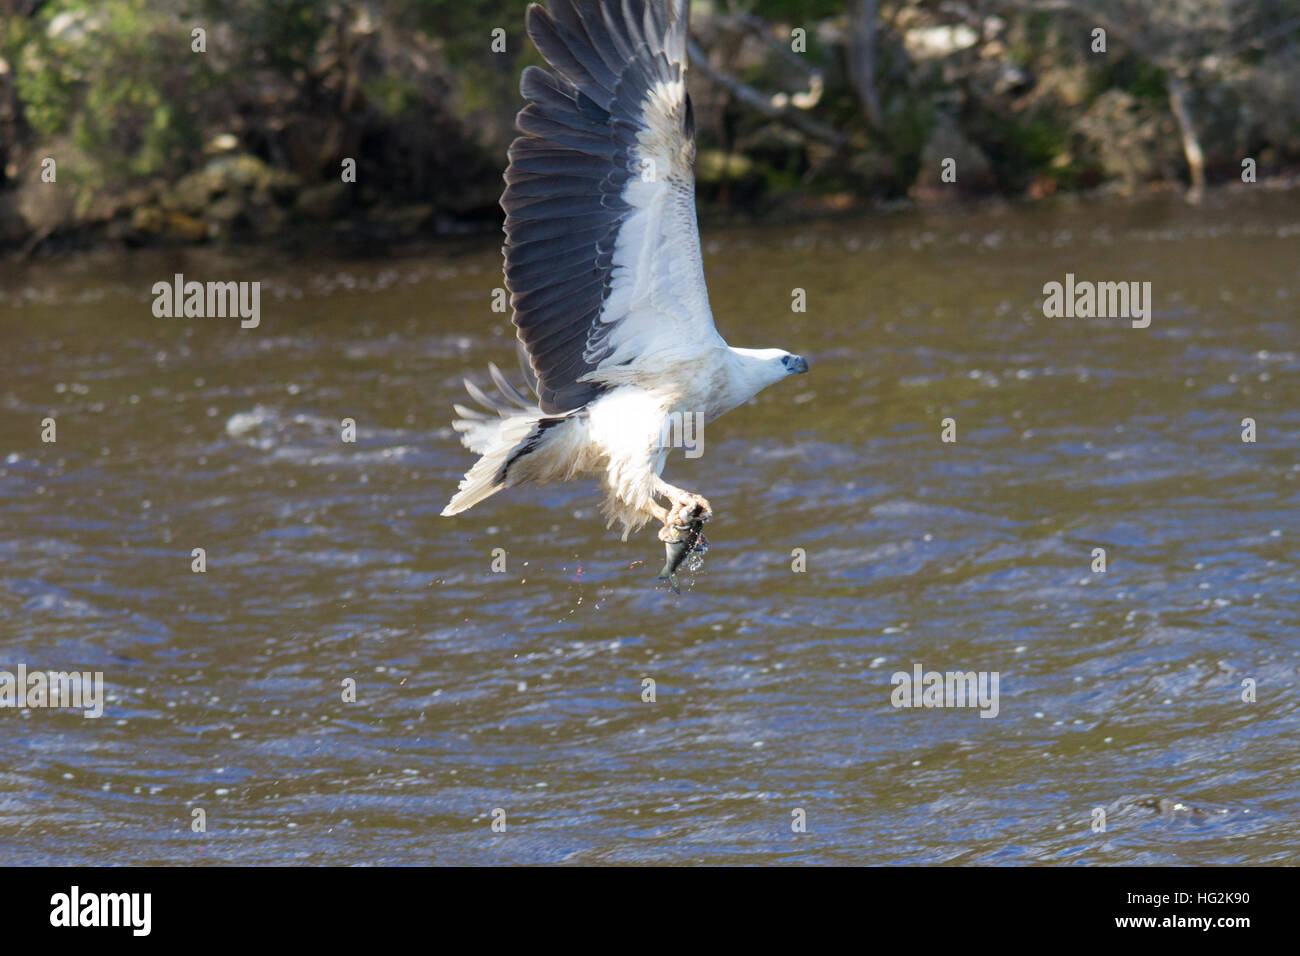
{"x": 522, "y": 690}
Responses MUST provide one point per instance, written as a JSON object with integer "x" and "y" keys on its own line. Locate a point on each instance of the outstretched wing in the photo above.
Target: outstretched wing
{"x": 602, "y": 251}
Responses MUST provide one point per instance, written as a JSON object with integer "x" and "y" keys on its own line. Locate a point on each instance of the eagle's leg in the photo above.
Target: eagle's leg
{"x": 684, "y": 503}
{"x": 660, "y": 513}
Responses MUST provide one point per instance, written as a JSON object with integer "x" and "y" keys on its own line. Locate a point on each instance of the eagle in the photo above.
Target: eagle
{"x": 602, "y": 262}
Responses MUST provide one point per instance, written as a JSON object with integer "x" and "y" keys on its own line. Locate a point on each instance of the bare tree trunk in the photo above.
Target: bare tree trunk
{"x": 1187, "y": 128}
{"x": 862, "y": 58}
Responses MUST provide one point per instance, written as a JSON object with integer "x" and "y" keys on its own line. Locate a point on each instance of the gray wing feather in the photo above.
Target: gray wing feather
{"x": 507, "y": 388}
{"x": 511, "y": 400}
{"x": 564, "y": 197}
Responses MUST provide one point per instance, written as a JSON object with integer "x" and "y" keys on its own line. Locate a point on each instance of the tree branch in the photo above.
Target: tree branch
{"x": 762, "y": 104}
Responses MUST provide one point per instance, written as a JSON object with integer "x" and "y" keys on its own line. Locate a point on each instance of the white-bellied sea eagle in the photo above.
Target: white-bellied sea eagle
{"x": 602, "y": 261}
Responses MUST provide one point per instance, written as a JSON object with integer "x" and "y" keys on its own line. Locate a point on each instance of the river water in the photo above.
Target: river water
{"x": 1125, "y": 692}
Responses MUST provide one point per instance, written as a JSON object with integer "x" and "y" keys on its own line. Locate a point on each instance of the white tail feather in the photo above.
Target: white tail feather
{"x": 495, "y": 441}
{"x": 477, "y": 434}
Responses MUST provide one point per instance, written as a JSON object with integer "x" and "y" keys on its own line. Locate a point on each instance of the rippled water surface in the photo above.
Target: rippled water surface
{"x": 522, "y": 690}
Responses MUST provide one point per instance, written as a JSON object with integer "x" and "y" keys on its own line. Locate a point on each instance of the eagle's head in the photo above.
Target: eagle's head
{"x": 756, "y": 369}
{"x": 793, "y": 364}
{"x": 772, "y": 365}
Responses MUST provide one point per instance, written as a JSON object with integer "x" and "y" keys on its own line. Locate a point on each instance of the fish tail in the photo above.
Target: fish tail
{"x": 671, "y": 578}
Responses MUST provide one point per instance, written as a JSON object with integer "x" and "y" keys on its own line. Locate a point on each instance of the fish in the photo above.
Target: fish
{"x": 688, "y": 542}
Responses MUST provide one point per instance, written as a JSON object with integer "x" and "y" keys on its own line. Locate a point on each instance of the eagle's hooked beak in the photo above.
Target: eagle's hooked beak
{"x": 795, "y": 364}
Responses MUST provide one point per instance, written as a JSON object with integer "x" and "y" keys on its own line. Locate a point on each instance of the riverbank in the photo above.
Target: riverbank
{"x": 267, "y": 214}
{"x": 139, "y": 123}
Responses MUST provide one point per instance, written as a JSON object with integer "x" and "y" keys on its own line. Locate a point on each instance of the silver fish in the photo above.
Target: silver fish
{"x": 688, "y": 542}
